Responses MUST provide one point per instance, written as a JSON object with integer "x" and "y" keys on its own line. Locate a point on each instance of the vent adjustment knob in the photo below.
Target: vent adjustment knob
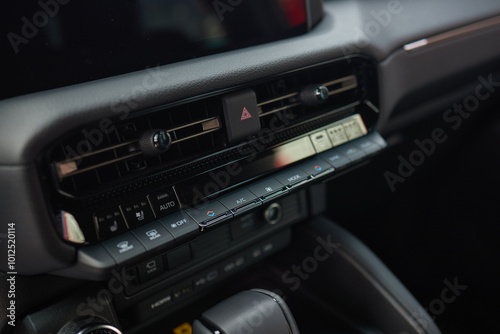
{"x": 155, "y": 142}
{"x": 313, "y": 95}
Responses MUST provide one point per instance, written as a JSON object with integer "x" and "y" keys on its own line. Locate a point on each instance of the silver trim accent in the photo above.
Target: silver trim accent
{"x": 194, "y": 136}
{"x": 209, "y": 125}
{"x": 91, "y": 327}
{"x": 191, "y": 124}
{"x": 465, "y": 30}
{"x": 99, "y": 165}
{"x": 262, "y": 114}
{"x": 277, "y": 99}
{"x": 372, "y": 106}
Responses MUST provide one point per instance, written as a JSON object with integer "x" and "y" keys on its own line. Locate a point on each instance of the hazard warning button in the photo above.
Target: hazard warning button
{"x": 241, "y": 115}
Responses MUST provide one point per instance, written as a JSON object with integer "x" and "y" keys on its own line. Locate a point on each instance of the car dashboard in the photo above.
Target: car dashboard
{"x": 142, "y": 186}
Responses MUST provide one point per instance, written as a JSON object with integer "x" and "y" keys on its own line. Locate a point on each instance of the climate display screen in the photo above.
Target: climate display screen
{"x": 53, "y": 43}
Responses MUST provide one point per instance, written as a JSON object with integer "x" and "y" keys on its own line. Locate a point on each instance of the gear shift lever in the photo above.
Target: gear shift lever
{"x": 254, "y": 311}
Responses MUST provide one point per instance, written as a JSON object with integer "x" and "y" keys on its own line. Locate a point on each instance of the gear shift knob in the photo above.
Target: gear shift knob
{"x": 254, "y": 311}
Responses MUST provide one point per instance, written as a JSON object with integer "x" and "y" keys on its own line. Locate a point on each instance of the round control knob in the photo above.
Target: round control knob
{"x": 155, "y": 142}
{"x": 94, "y": 328}
{"x": 313, "y": 95}
{"x": 273, "y": 213}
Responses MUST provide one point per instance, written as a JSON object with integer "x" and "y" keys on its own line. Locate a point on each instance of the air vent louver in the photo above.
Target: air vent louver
{"x": 92, "y": 161}
{"x": 281, "y": 98}
{"x": 92, "y": 158}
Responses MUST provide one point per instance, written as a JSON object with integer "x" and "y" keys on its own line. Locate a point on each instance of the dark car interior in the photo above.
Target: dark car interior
{"x": 250, "y": 166}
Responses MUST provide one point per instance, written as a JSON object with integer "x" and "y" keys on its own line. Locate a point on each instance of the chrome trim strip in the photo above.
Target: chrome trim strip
{"x": 468, "y": 29}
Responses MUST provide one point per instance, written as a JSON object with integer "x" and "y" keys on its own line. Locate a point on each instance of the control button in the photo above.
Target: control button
{"x": 124, "y": 247}
{"x": 151, "y": 269}
{"x": 354, "y": 127}
{"x": 273, "y": 213}
{"x": 164, "y": 202}
{"x": 316, "y": 167}
{"x": 268, "y": 188}
{"x": 180, "y": 225}
{"x": 291, "y": 177}
{"x": 335, "y": 158}
{"x": 241, "y": 114}
{"x": 320, "y": 141}
{"x": 378, "y": 139}
{"x": 137, "y": 212}
{"x": 153, "y": 236}
{"x": 209, "y": 213}
{"x": 178, "y": 256}
{"x": 367, "y": 145}
{"x": 337, "y": 134}
{"x": 240, "y": 201}
{"x": 245, "y": 225}
{"x": 351, "y": 152}
{"x": 109, "y": 223}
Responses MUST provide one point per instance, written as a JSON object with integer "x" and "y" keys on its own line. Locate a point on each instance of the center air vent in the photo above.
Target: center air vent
{"x": 113, "y": 153}
{"x": 92, "y": 157}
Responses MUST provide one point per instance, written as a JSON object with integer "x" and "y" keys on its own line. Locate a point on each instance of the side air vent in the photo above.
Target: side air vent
{"x": 98, "y": 155}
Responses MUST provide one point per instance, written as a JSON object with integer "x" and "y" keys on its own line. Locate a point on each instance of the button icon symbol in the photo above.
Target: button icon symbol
{"x": 210, "y": 213}
{"x": 124, "y": 246}
{"x": 318, "y": 168}
{"x": 139, "y": 215}
{"x": 151, "y": 264}
{"x": 113, "y": 227}
{"x": 245, "y": 114}
{"x": 268, "y": 189}
{"x": 153, "y": 234}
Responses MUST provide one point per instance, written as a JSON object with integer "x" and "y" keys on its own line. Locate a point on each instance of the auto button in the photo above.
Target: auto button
{"x": 164, "y": 202}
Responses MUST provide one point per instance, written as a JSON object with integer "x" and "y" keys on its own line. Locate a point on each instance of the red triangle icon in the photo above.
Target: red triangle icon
{"x": 245, "y": 114}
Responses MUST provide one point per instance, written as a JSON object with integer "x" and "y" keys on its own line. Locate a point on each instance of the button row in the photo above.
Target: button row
{"x": 135, "y": 213}
{"x": 228, "y": 206}
{"x": 143, "y": 210}
{"x": 181, "y": 226}
{"x": 160, "y": 302}
{"x": 162, "y": 233}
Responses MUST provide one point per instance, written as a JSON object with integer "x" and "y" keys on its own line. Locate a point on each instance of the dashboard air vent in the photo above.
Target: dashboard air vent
{"x": 96, "y": 156}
